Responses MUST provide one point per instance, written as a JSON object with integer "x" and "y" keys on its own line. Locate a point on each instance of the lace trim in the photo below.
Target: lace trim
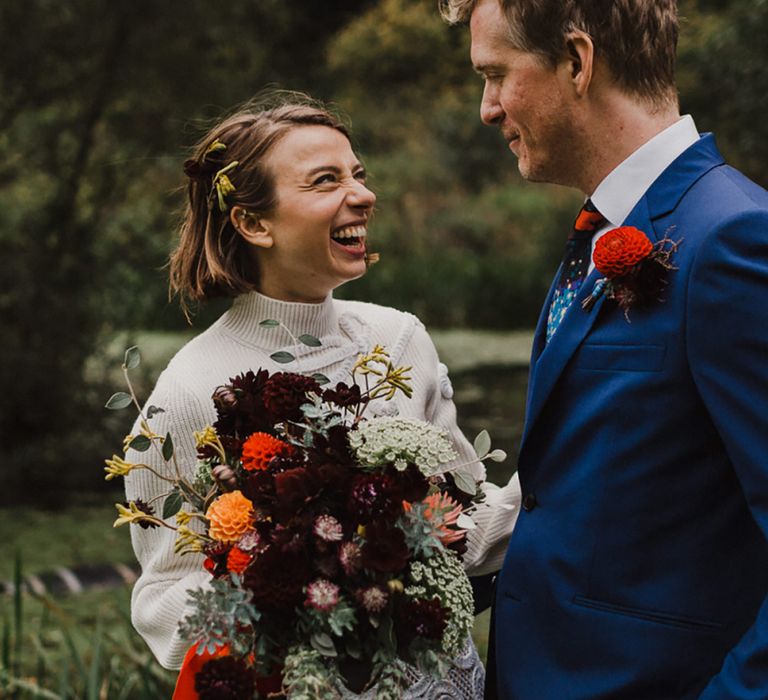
{"x": 465, "y": 681}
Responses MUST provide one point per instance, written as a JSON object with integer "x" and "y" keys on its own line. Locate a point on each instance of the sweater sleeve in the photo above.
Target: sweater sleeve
{"x": 159, "y": 599}
{"x": 496, "y": 516}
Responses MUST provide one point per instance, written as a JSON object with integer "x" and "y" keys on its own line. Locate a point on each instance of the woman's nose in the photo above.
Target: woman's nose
{"x": 361, "y": 196}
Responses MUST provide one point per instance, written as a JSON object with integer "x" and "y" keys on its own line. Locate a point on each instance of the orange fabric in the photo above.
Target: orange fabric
{"x": 193, "y": 662}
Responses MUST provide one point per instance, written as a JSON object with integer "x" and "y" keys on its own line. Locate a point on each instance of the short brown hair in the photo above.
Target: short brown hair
{"x": 212, "y": 258}
{"x": 637, "y": 39}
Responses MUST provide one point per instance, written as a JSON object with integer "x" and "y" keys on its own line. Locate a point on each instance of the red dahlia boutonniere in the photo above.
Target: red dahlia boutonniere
{"x": 634, "y": 269}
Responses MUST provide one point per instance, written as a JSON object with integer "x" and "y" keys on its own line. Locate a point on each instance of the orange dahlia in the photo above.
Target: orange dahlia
{"x": 260, "y": 449}
{"x": 237, "y": 560}
{"x": 621, "y": 249}
{"x": 230, "y": 516}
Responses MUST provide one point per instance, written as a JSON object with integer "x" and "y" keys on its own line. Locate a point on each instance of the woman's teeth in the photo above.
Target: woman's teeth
{"x": 349, "y": 232}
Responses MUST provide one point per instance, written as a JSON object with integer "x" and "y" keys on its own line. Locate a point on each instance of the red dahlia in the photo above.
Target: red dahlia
{"x": 260, "y": 449}
{"x": 285, "y": 392}
{"x": 619, "y": 250}
{"x": 224, "y": 678}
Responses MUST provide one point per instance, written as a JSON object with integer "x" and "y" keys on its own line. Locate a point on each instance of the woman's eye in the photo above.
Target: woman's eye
{"x": 324, "y": 179}
{"x": 360, "y": 176}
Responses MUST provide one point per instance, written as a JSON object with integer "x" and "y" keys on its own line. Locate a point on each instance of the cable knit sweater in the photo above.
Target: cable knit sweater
{"x": 236, "y": 343}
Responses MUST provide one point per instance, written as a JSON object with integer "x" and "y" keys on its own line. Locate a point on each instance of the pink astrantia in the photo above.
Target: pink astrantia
{"x": 322, "y": 595}
{"x": 327, "y": 528}
{"x": 373, "y": 599}
{"x": 350, "y": 556}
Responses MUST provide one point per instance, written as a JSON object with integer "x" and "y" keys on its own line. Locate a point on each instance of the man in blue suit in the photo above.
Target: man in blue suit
{"x": 638, "y": 569}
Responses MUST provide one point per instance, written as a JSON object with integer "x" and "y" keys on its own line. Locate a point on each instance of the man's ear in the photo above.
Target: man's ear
{"x": 256, "y": 230}
{"x": 579, "y": 60}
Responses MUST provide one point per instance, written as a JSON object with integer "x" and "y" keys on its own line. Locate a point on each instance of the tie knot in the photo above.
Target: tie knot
{"x": 588, "y": 220}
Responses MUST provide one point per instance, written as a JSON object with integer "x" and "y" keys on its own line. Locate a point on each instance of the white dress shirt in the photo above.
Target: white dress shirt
{"x": 616, "y": 196}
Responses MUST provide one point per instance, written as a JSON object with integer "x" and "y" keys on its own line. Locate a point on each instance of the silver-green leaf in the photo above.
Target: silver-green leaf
{"x": 132, "y": 358}
{"x": 320, "y": 378}
{"x": 465, "y": 522}
{"x": 482, "y": 444}
{"x": 465, "y": 481}
{"x": 282, "y": 357}
{"x": 269, "y": 323}
{"x": 322, "y": 643}
{"x": 497, "y": 455}
{"x": 118, "y": 401}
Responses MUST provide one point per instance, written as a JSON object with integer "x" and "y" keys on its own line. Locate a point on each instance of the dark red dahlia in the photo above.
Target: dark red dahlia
{"x": 277, "y": 579}
{"x": 225, "y": 678}
{"x": 373, "y": 497}
{"x": 294, "y": 490}
{"x": 240, "y": 406}
{"x": 385, "y": 549}
{"x": 411, "y": 484}
{"x": 285, "y": 392}
{"x": 344, "y": 396}
{"x": 420, "y": 618}
{"x": 216, "y": 558}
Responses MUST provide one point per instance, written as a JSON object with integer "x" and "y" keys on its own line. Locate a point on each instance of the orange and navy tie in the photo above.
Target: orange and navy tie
{"x": 575, "y": 264}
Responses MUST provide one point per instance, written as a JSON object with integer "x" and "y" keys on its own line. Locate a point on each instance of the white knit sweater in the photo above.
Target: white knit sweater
{"x": 237, "y": 343}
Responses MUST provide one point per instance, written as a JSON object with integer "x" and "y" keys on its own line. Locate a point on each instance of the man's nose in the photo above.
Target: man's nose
{"x": 491, "y": 112}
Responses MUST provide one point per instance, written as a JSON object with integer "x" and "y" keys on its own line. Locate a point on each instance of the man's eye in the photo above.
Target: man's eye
{"x": 324, "y": 179}
{"x": 360, "y": 175}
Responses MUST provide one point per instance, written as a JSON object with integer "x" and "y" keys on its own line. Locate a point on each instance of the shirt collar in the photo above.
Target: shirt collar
{"x": 616, "y": 196}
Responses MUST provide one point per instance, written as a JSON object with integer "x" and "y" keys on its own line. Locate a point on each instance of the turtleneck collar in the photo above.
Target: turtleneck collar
{"x": 249, "y": 310}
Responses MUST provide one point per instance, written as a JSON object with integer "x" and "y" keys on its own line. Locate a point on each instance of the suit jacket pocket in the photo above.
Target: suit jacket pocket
{"x": 655, "y": 616}
{"x": 620, "y": 358}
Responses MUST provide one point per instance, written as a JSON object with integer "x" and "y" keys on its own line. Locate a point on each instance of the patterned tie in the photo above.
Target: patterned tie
{"x": 575, "y": 264}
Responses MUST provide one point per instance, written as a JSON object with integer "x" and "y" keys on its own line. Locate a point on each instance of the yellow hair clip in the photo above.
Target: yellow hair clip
{"x": 216, "y": 145}
{"x": 223, "y": 185}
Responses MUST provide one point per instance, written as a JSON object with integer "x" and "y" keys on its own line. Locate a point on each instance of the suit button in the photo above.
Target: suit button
{"x": 529, "y": 502}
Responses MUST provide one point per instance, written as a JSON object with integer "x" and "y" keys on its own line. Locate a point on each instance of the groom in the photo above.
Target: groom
{"x": 638, "y": 569}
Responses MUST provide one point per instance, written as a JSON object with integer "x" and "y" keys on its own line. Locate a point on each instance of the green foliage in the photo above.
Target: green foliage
{"x": 95, "y": 127}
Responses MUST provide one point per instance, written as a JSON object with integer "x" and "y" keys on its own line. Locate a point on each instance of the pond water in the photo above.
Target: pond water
{"x": 493, "y": 397}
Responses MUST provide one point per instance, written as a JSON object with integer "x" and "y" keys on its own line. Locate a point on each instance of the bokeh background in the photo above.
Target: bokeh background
{"x": 99, "y": 104}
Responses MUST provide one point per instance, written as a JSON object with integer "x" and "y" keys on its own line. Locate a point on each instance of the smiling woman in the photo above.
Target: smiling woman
{"x": 277, "y": 218}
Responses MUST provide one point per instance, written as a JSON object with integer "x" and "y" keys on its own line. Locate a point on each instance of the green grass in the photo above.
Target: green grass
{"x": 80, "y": 534}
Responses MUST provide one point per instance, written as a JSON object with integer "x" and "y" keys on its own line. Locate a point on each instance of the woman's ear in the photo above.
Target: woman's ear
{"x": 257, "y": 231}
{"x": 579, "y": 60}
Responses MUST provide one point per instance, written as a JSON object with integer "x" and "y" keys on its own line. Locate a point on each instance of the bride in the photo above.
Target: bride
{"x": 277, "y": 218}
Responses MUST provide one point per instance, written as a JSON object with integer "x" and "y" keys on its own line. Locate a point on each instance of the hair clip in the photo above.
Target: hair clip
{"x": 215, "y": 146}
{"x": 223, "y": 185}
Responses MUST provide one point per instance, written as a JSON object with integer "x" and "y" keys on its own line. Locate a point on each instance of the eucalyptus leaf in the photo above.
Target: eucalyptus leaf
{"x": 282, "y": 357}
{"x": 118, "y": 401}
{"x": 153, "y": 410}
{"x": 310, "y": 340}
{"x": 167, "y": 447}
{"x": 269, "y": 323}
{"x": 322, "y": 643}
{"x": 172, "y": 504}
{"x": 497, "y": 456}
{"x": 482, "y": 444}
{"x": 465, "y": 522}
{"x": 140, "y": 443}
{"x": 132, "y": 358}
{"x": 465, "y": 481}
{"x": 320, "y": 378}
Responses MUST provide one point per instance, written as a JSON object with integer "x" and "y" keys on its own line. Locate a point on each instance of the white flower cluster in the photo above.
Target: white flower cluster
{"x": 442, "y": 576}
{"x": 401, "y": 441}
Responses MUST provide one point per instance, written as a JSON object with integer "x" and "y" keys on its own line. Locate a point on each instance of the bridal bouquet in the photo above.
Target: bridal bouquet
{"x": 333, "y": 540}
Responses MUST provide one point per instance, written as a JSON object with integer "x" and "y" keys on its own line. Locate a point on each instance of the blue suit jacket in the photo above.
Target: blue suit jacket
{"x": 639, "y": 570}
